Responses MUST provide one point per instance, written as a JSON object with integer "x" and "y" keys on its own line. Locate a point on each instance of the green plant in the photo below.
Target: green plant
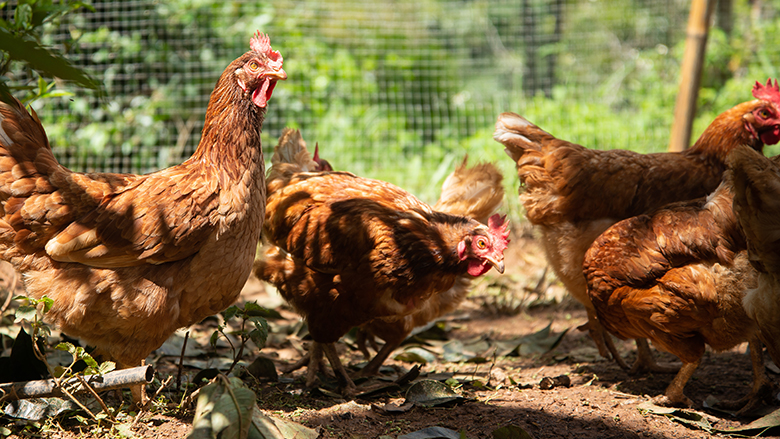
{"x": 252, "y": 326}
{"x": 25, "y": 56}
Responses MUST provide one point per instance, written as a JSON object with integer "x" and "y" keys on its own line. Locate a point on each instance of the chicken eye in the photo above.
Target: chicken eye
{"x": 764, "y": 114}
{"x": 481, "y": 244}
{"x": 253, "y": 66}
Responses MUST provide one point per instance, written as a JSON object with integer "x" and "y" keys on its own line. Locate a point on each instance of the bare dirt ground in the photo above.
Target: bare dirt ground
{"x": 498, "y": 390}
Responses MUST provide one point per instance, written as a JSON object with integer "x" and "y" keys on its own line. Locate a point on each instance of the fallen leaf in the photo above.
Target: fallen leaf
{"x": 432, "y": 433}
{"x": 416, "y": 355}
{"x": 511, "y": 432}
{"x": 429, "y": 393}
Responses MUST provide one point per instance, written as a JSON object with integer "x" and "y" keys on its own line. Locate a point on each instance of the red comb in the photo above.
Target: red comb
{"x": 769, "y": 92}
{"x": 261, "y": 45}
{"x": 499, "y": 224}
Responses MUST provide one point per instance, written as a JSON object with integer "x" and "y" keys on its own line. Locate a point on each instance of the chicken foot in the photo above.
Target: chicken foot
{"x": 763, "y": 388}
{"x": 348, "y": 388}
{"x": 673, "y": 395}
{"x": 645, "y": 361}
{"x": 372, "y": 368}
{"x": 314, "y": 363}
{"x": 364, "y": 337}
{"x": 603, "y": 340}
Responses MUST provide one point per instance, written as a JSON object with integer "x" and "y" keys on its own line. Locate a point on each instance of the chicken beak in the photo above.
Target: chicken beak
{"x": 279, "y": 75}
{"x": 498, "y": 265}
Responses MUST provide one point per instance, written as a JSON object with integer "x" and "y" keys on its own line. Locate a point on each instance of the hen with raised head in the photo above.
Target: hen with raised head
{"x": 573, "y": 194}
{"x": 677, "y": 277}
{"x": 474, "y": 192}
{"x": 757, "y": 206}
{"x": 344, "y": 250}
{"x": 128, "y": 259}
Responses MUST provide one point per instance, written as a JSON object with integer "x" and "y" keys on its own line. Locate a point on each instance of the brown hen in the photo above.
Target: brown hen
{"x": 573, "y": 193}
{"x": 678, "y": 277}
{"x": 344, "y": 250}
{"x": 128, "y": 259}
{"x": 757, "y": 205}
{"x": 474, "y": 192}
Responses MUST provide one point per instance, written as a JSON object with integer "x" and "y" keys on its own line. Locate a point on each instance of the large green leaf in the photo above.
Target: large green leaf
{"x": 42, "y": 60}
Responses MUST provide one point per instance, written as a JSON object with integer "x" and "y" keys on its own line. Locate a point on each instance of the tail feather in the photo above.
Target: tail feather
{"x": 475, "y": 192}
{"x": 26, "y": 159}
{"x": 518, "y": 135}
{"x": 290, "y": 157}
{"x": 757, "y": 204}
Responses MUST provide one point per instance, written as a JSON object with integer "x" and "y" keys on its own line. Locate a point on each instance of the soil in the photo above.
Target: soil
{"x": 601, "y": 400}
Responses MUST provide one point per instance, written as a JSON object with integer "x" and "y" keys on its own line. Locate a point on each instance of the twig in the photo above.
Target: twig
{"x": 56, "y": 380}
{"x": 181, "y": 361}
{"x": 99, "y": 399}
{"x": 188, "y": 401}
{"x": 236, "y": 357}
{"x": 143, "y": 410}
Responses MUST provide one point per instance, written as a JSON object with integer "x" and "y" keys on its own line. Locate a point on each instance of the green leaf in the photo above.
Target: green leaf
{"x": 252, "y": 309}
{"x": 267, "y": 427}
{"x": 430, "y": 393}
{"x": 230, "y": 312}
{"x": 416, "y": 355}
{"x": 89, "y": 360}
{"x": 65, "y": 346}
{"x": 48, "y": 302}
{"x": 23, "y": 16}
{"x": 25, "y": 312}
{"x": 223, "y": 411}
{"x": 40, "y": 59}
{"x": 260, "y": 334}
{"x": 106, "y": 367}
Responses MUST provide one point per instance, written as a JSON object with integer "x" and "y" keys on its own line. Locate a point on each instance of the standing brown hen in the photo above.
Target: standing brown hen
{"x": 128, "y": 259}
{"x": 678, "y": 277}
{"x": 573, "y": 193}
{"x": 344, "y": 250}
{"x": 474, "y": 192}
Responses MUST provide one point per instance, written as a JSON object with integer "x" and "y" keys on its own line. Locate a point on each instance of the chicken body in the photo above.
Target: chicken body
{"x": 757, "y": 205}
{"x": 128, "y": 259}
{"x": 573, "y": 194}
{"x": 677, "y": 277}
{"x": 345, "y": 250}
{"x": 474, "y": 192}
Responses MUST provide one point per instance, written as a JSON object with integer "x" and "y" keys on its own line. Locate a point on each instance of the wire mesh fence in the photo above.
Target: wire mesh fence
{"x": 398, "y": 90}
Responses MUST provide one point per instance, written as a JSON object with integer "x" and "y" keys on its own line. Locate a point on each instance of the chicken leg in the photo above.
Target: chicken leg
{"x": 763, "y": 388}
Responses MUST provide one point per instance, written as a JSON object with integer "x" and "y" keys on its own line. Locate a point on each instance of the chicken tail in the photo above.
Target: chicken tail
{"x": 25, "y": 151}
{"x": 23, "y": 145}
{"x": 291, "y": 150}
{"x": 475, "y": 192}
{"x": 291, "y": 157}
{"x": 757, "y": 205}
{"x": 519, "y": 135}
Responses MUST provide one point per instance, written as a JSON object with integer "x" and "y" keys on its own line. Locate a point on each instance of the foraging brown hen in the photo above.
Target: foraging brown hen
{"x": 678, "y": 277}
{"x": 344, "y": 250}
{"x": 474, "y": 192}
{"x": 128, "y": 259}
{"x": 573, "y": 193}
{"x": 757, "y": 206}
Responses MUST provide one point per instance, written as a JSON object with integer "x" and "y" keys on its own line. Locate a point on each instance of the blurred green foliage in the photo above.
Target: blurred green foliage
{"x": 22, "y": 50}
{"x": 400, "y": 90}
